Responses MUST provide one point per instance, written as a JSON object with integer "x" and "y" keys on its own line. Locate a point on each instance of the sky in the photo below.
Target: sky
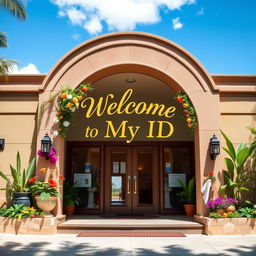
{"x": 221, "y": 34}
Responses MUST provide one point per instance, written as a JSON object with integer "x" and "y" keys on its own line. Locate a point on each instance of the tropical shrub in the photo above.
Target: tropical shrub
{"x": 188, "y": 195}
{"x": 235, "y": 177}
{"x": 20, "y": 177}
{"x": 20, "y": 211}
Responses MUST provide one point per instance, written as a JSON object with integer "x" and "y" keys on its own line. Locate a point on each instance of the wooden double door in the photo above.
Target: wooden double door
{"x": 131, "y": 180}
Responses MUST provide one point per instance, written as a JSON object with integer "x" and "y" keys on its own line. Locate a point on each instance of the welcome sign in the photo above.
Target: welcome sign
{"x": 125, "y": 107}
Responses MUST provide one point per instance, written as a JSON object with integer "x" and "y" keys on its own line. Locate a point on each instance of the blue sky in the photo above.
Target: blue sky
{"x": 221, "y": 34}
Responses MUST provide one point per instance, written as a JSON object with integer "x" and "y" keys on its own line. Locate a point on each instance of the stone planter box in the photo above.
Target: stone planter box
{"x": 33, "y": 226}
{"x": 227, "y": 226}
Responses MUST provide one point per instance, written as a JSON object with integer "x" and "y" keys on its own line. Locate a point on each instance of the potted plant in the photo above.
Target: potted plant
{"x": 18, "y": 188}
{"x": 188, "y": 196}
{"x": 45, "y": 192}
{"x": 70, "y": 198}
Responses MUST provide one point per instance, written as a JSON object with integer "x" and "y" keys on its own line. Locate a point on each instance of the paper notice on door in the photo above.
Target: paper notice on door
{"x": 115, "y": 167}
{"x": 173, "y": 177}
{"x": 122, "y": 167}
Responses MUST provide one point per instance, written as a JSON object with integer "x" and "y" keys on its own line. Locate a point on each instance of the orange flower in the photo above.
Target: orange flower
{"x": 189, "y": 125}
{"x": 61, "y": 177}
{"x": 60, "y": 117}
{"x": 63, "y": 95}
{"x": 189, "y": 120}
{"x": 42, "y": 170}
{"x": 75, "y": 100}
{"x": 185, "y": 105}
{"x": 80, "y": 98}
{"x": 69, "y": 105}
{"x": 84, "y": 89}
{"x": 59, "y": 129}
{"x": 32, "y": 180}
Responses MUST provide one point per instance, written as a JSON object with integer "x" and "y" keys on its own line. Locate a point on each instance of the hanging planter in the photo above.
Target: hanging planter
{"x": 189, "y": 110}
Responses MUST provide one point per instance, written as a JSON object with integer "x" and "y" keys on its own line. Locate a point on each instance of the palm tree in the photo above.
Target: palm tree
{"x": 16, "y": 9}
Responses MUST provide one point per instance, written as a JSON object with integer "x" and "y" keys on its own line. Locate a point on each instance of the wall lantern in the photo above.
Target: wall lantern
{"x": 46, "y": 145}
{"x": 214, "y": 147}
{"x": 2, "y": 144}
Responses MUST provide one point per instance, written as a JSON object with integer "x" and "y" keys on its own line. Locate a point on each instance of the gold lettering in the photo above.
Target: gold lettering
{"x": 133, "y": 133}
{"x": 169, "y": 111}
{"x": 151, "y": 129}
{"x": 114, "y": 133}
{"x": 155, "y": 107}
{"x": 160, "y": 129}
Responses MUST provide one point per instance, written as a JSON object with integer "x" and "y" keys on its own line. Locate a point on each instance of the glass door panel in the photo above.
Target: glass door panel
{"x": 176, "y": 166}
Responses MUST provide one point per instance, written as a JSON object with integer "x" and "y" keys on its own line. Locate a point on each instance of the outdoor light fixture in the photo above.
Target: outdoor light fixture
{"x": 214, "y": 147}
{"x": 130, "y": 80}
{"x": 46, "y": 145}
{"x": 2, "y": 144}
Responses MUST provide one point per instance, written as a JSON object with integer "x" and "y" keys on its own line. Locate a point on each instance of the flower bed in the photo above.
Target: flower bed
{"x": 227, "y": 226}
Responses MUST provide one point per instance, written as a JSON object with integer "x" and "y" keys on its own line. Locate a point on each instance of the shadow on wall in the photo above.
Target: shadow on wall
{"x": 81, "y": 248}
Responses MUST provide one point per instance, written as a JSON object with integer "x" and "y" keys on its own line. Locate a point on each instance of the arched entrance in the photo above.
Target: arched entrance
{"x": 145, "y": 54}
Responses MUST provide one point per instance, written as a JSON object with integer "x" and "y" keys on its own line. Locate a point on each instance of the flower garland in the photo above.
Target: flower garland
{"x": 189, "y": 109}
{"x": 69, "y": 101}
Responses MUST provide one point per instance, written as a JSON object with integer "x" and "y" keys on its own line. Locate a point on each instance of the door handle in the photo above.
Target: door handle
{"x": 135, "y": 184}
{"x": 129, "y": 185}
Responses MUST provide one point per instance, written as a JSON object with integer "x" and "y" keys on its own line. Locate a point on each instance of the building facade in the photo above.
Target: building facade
{"x": 127, "y": 157}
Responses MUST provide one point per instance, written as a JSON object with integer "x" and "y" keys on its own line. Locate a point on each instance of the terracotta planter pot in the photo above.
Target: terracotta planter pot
{"x": 46, "y": 205}
{"x": 231, "y": 208}
{"x": 190, "y": 209}
{"x": 69, "y": 210}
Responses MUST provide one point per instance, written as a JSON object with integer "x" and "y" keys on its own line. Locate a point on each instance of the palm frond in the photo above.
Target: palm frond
{"x": 6, "y": 66}
{"x": 15, "y": 7}
{"x": 3, "y": 40}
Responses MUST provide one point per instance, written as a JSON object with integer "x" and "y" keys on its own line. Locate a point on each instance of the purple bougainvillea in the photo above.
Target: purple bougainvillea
{"x": 221, "y": 203}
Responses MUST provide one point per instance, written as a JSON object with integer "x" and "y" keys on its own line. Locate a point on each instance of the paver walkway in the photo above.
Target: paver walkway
{"x": 63, "y": 245}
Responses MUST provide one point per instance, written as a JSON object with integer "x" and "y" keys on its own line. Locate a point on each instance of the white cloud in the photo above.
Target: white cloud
{"x": 29, "y": 69}
{"x": 117, "y": 14}
{"x": 201, "y": 11}
{"x": 93, "y": 26}
{"x": 176, "y": 24}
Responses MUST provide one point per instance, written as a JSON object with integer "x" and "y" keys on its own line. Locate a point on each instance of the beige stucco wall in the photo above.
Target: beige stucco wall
{"x": 18, "y": 128}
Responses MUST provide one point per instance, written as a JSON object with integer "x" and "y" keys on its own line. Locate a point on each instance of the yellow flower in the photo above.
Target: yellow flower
{"x": 25, "y": 211}
{"x": 42, "y": 170}
{"x": 69, "y": 105}
{"x": 31, "y": 209}
{"x": 75, "y": 100}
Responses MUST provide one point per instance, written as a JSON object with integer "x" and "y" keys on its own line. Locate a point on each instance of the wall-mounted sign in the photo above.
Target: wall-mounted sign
{"x": 173, "y": 177}
{"x": 82, "y": 180}
{"x": 126, "y": 106}
{"x": 87, "y": 167}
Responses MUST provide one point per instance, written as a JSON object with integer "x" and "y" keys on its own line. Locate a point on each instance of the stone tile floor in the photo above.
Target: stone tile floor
{"x": 63, "y": 245}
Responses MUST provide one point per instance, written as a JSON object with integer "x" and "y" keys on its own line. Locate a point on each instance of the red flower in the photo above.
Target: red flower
{"x": 61, "y": 177}
{"x": 32, "y": 180}
{"x": 179, "y": 99}
{"x": 211, "y": 174}
{"x": 52, "y": 183}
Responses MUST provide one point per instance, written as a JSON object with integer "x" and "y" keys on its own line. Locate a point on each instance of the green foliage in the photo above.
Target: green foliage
{"x": 189, "y": 110}
{"x": 234, "y": 214}
{"x": 20, "y": 177}
{"x": 69, "y": 101}
{"x": 247, "y": 212}
{"x": 216, "y": 215}
{"x": 235, "y": 178}
{"x": 70, "y": 196}
{"x": 15, "y": 7}
{"x": 188, "y": 194}
{"x": 20, "y": 211}
{"x": 6, "y": 66}
{"x": 45, "y": 189}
